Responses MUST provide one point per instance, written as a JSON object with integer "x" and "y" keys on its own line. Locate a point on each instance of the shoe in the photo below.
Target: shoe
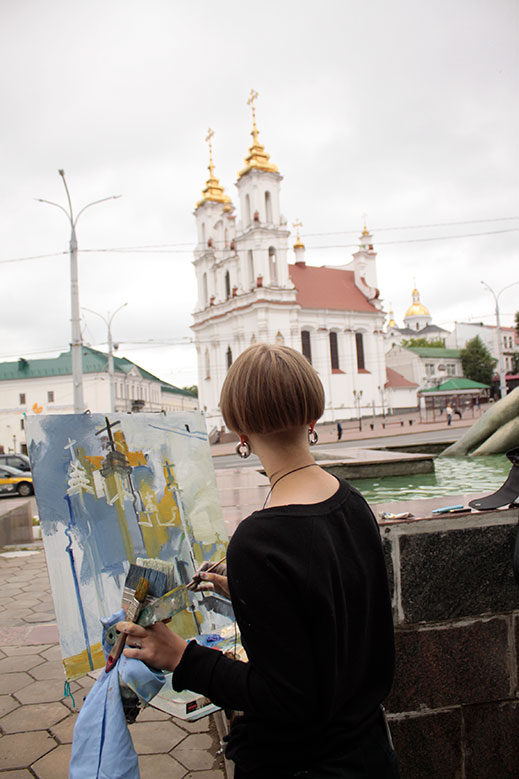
{"x": 508, "y": 494}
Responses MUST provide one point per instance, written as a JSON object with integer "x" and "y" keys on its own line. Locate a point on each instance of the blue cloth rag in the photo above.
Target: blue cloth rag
{"x": 102, "y": 747}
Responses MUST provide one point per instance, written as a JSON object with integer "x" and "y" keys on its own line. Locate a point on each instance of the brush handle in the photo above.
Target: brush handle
{"x": 195, "y": 581}
{"x": 134, "y": 609}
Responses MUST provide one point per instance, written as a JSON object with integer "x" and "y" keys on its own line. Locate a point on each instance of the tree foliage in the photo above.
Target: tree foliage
{"x": 437, "y": 342}
{"x": 193, "y": 388}
{"x": 478, "y": 364}
{"x": 517, "y": 323}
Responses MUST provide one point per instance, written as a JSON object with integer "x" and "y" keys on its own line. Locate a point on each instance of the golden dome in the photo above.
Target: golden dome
{"x": 257, "y": 158}
{"x": 213, "y": 189}
{"x": 416, "y": 308}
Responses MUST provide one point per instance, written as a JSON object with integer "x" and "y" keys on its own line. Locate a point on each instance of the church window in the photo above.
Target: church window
{"x": 273, "y": 265}
{"x": 202, "y": 230}
{"x": 205, "y": 290}
{"x": 252, "y": 277}
{"x": 305, "y": 345}
{"x": 334, "y": 351}
{"x": 418, "y": 325}
{"x": 226, "y": 238}
{"x": 207, "y": 365}
{"x": 429, "y": 369}
{"x": 268, "y": 207}
{"x": 247, "y": 209}
{"x": 227, "y": 284}
{"x": 359, "y": 343}
{"x": 22, "y": 398}
{"x": 451, "y": 369}
{"x": 229, "y": 357}
{"x": 279, "y": 338}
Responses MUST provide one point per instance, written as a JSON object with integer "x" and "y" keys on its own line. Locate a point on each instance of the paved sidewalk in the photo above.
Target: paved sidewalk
{"x": 397, "y": 424}
{"x": 36, "y": 720}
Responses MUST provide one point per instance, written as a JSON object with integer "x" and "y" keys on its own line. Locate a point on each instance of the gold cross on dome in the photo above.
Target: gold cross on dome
{"x": 209, "y": 139}
{"x": 253, "y": 97}
{"x": 297, "y": 225}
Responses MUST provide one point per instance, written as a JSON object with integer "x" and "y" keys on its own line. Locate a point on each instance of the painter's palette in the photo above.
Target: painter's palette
{"x": 113, "y": 488}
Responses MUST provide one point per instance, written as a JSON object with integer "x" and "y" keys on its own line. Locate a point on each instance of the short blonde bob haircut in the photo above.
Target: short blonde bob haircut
{"x": 270, "y": 388}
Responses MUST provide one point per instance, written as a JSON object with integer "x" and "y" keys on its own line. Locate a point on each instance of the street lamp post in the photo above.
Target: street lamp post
{"x": 357, "y": 395}
{"x": 108, "y": 323}
{"x": 501, "y": 362}
{"x": 75, "y": 345}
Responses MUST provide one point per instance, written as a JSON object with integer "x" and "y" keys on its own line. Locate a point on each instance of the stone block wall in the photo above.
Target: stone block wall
{"x": 454, "y": 707}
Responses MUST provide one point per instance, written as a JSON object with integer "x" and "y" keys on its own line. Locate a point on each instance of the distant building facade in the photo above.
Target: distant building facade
{"x": 44, "y": 386}
{"x": 425, "y": 366}
{"x": 466, "y": 331}
{"x": 249, "y": 291}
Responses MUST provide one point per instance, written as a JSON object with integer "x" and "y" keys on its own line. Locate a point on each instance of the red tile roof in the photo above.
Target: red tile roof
{"x": 395, "y": 380}
{"x": 331, "y": 288}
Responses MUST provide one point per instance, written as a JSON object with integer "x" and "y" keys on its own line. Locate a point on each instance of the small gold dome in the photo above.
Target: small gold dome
{"x": 213, "y": 189}
{"x": 416, "y": 308}
{"x": 257, "y": 158}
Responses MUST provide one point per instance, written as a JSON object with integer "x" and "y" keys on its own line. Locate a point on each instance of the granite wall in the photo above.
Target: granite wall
{"x": 454, "y": 707}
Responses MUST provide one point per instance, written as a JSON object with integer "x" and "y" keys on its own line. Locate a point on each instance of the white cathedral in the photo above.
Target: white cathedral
{"x": 251, "y": 289}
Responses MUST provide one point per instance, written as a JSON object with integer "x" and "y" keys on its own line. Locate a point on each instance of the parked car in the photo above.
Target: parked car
{"x": 14, "y": 481}
{"x": 20, "y": 461}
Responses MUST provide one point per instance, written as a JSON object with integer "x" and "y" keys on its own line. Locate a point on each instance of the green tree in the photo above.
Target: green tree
{"x": 193, "y": 388}
{"x": 437, "y": 342}
{"x": 517, "y": 323}
{"x": 478, "y": 364}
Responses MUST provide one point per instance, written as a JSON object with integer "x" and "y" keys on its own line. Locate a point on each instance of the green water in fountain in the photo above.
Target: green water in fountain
{"x": 452, "y": 476}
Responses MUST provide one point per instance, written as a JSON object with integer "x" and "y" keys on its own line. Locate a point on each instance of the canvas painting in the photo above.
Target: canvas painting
{"x": 114, "y": 488}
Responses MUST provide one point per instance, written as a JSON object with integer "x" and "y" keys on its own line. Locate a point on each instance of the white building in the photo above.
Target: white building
{"x": 44, "y": 386}
{"x": 248, "y": 291}
{"x": 466, "y": 331}
{"x": 425, "y": 366}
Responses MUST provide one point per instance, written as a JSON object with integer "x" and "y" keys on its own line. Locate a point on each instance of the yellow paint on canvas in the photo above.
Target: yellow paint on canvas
{"x": 79, "y": 665}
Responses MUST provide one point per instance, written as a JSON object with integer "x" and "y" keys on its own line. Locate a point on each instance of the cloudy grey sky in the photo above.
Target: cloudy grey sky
{"x": 404, "y": 110}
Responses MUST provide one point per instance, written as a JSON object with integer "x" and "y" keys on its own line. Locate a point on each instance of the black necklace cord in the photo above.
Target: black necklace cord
{"x": 301, "y": 468}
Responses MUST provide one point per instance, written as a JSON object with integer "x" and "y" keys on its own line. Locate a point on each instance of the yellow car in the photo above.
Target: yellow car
{"x": 13, "y": 481}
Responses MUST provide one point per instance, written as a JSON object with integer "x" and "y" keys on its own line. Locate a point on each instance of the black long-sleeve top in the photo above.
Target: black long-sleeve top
{"x": 309, "y": 590}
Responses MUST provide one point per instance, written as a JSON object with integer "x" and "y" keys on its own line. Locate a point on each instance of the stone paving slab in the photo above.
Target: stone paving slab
{"x": 37, "y": 721}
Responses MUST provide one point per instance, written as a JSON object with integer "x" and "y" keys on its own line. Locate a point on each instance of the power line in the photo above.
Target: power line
{"x": 418, "y": 227}
{"x": 171, "y": 248}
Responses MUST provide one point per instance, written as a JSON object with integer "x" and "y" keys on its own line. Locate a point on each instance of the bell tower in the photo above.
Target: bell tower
{"x": 262, "y": 235}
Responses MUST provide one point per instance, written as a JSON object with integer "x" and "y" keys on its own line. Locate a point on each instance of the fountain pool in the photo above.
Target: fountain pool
{"x": 453, "y": 476}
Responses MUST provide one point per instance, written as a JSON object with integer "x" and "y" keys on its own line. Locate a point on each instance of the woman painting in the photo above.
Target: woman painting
{"x": 308, "y": 585}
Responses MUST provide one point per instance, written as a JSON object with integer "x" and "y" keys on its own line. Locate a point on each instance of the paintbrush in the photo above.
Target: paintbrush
{"x": 132, "y": 615}
{"x": 195, "y": 581}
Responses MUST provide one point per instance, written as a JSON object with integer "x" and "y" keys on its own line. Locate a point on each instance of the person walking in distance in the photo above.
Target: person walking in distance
{"x": 339, "y": 431}
{"x": 307, "y": 581}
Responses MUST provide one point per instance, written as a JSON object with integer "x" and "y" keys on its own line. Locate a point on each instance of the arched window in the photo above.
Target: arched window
{"x": 273, "y": 265}
{"x": 359, "y": 343}
{"x": 334, "y": 351}
{"x": 207, "y": 365}
{"x": 205, "y": 290}
{"x": 202, "y": 230}
{"x": 418, "y": 325}
{"x": 279, "y": 338}
{"x": 227, "y": 284}
{"x": 229, "y": 357}
{"x": 252, "y": 277}
{"x": 268, "y": 207}
{"x": 226, "y": 238}
{"x": 305, "y": 345}
{"x": 247, "y": 209}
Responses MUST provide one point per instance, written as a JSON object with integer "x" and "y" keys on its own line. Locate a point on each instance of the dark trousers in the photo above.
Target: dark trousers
{"x": 372, "y": 758}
